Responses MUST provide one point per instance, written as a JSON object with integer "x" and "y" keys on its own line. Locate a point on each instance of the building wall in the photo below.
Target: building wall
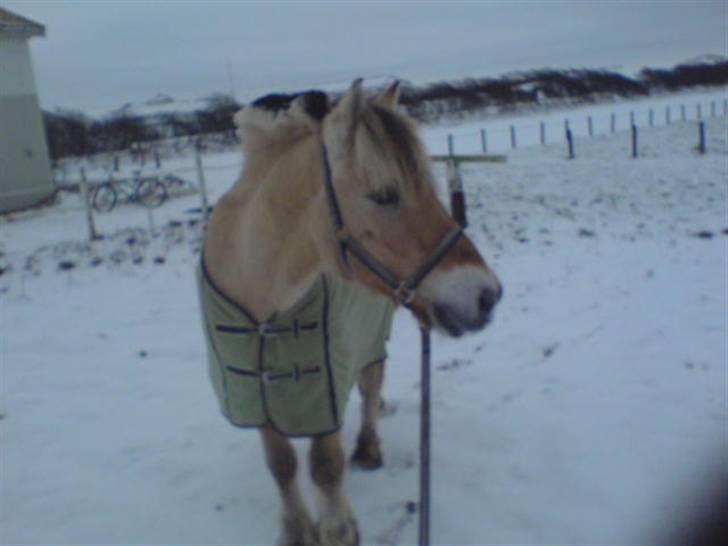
{"x": 25, "y": 176}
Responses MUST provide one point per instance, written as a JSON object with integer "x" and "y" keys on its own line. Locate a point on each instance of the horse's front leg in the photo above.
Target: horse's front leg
{"x": 281, "y": 458}
{"x": 368, "y": 454}
{"x": 337, "y": 526}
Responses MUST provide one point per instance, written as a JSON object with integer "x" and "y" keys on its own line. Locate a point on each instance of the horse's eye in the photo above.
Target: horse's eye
{"x": 386, "y": 197}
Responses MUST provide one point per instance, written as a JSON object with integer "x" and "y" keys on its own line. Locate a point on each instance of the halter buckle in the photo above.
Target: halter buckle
{"x": 404, "y": 294}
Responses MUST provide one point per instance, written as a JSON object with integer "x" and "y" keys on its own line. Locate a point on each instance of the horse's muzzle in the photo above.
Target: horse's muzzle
{"x": 456, "y": 321}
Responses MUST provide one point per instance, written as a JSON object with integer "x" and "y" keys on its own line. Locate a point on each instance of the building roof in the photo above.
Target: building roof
{"x": 12, "y": 23}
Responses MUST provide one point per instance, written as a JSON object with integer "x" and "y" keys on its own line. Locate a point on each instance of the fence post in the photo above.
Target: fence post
{"x": 542, "y": 131}
{"x": 484, "y": 141}
{"x": 513, "y": 137}
{"x": 699, "y": 111}
{"x": 631, "y": 118}
{"x": 150, "y": 220}
{"x": 450, "y": 144}
{"x": 570, "y": 143}
{"x": 634, "y": 141}
{"x": 701, "y": 137}
{"x": 667, "y": 115}
{"x": 86, "y": 198}
{"x": 591, "y": 126}
{"x": 652, "y": 117}
{"x": 683, "y": 117}
{"x": 201, "y": 183}
{"x": 613, "y": 122}
{"x": 457, "y": 196}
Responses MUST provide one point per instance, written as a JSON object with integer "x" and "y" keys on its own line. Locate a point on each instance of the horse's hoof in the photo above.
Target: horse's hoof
{"x": 297, "y": 533}
{"x": 300, "y": 541}
{"x": 367, "y": 455}
{"x": 341, "y": 533}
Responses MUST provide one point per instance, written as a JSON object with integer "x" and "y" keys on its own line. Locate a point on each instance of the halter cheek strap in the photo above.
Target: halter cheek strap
{"x": 403, "y": 291}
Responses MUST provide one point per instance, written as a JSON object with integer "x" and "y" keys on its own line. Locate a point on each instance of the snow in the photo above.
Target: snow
{"x": 592, "y": 411}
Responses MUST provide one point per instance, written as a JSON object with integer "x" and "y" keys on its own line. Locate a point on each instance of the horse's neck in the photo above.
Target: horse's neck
{"x": 260, "y": 248}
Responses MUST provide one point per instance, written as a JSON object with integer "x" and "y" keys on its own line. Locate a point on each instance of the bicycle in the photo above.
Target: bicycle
{"x": 149, "y": 192}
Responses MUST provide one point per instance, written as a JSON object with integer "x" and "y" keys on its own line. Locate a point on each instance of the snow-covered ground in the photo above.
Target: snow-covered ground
{"x": 592, "y": 411}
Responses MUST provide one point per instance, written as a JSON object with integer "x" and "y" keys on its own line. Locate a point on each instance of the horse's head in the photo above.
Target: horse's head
{"x": 384, "y": 187}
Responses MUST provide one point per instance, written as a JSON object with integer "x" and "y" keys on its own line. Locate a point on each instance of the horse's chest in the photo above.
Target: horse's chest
{"x": 297, "y": 370}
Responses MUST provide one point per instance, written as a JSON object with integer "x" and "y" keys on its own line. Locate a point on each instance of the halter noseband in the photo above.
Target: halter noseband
{"x": 402, "y": 290}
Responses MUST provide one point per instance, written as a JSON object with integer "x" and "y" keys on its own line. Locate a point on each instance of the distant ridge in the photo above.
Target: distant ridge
{"x": 73, "y": 133}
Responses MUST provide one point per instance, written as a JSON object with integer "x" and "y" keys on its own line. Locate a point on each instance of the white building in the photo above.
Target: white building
{"x": 25, "y": 175}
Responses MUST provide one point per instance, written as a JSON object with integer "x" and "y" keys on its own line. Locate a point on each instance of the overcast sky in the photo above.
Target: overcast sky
{"x": 99, "y": 54}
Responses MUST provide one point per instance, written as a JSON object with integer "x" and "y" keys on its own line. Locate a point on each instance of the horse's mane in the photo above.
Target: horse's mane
{"x": 271, "y": 124}
{"x": 279, "y": 119}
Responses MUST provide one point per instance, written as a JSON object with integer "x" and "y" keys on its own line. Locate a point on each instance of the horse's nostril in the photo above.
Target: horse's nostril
{"x": 488, "y": 299}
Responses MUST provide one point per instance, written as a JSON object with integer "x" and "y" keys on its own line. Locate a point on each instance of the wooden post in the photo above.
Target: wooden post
{"x": 591, "y": 125}
{"x": 613, "y": 123}
{"x": 634, "y": 141}
{"x": 570, "y": 143}
{"x": 652, "y": 117}
{"x": 450, "y": 145}
{"x": 683, "y": 116}
{"x": 701, "y": 137}
{"x": 457, "y": 196}
{"x": 86, "y": 198}
{"x": 484, "y": 141}
{"x": 513, "y": 137}
{"x": 150, "y": 220}
{"x": 201, "y": 184}
{"x": 542, "y": 133}
{"x": 667, "y": 115}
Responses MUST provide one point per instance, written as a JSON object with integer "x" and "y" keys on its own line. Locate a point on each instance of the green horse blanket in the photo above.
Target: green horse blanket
{"x": 296, "y": 369}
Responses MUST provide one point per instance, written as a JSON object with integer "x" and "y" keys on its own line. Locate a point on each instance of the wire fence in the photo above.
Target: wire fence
{"x": 504, "y": 134}
{"x": 165, "y": 183}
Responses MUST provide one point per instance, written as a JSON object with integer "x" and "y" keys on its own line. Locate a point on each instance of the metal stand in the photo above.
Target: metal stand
{"x": 424, "y": 532}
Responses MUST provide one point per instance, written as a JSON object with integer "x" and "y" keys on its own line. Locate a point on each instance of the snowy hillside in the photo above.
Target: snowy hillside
{"x": 592, "y": 411}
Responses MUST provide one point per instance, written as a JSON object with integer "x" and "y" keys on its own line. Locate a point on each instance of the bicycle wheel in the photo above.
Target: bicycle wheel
{"x": 151, "y": 192}
{"x": 104, "y": 198}
{"x": 126, "y": 191}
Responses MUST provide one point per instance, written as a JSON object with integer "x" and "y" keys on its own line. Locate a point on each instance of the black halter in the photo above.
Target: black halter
{"x": 402, "y": 290}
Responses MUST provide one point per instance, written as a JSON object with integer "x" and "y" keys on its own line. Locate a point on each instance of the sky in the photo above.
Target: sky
{"x": 100, "y": 54}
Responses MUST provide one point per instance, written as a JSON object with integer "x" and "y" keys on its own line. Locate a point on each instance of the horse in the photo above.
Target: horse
{"x": 333, "y": 222}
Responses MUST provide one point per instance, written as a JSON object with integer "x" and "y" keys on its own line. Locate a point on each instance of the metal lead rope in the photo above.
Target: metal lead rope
{"x": 424, "y": 534}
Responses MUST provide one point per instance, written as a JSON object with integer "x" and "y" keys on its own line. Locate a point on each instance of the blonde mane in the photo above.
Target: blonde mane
{"x": 271, "y": 139}
{"x": 383, "y": 137}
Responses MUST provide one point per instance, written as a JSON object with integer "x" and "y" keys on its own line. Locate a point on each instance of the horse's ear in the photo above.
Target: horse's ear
{"x": 390, "y": 96}
{"x": 349, "y": 106}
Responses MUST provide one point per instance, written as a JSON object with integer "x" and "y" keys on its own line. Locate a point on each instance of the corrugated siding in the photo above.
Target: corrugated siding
{"x": 16, "y": 70}
{"x": 25, "y": 176}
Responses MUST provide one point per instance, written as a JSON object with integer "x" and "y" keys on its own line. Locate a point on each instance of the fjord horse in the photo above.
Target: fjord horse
{"x": 345, "y": 191}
